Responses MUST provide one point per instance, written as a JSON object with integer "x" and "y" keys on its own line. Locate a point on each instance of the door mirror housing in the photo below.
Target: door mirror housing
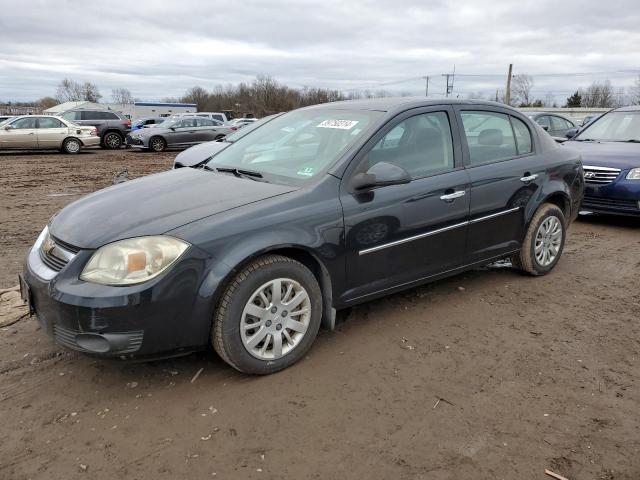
{"x": 571, "y": 132}
{"x": 381, "y": 174}
{"x": 8, "y": 127}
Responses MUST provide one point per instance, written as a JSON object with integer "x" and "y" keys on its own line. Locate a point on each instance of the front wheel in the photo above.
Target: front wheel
{"x": 157, "y": 144}
{"x": 544, "y": 241}
{"x": 268, "y": 316}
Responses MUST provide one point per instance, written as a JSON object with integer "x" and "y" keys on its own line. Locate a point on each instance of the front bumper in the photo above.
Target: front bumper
{"x": 137, "y": 142}
{"x": 162, "y": 317}
{"x": 621, "y": 197}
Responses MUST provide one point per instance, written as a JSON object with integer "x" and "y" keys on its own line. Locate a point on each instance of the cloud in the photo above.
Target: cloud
{"x": 159, "y": 49}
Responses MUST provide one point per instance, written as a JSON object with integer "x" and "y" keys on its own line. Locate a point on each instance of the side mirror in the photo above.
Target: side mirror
{"x": 8, "y": 127}
{"x": 380, "y": 175}
{"x": 571, "y": 132}
{"x": 173, "y": 129}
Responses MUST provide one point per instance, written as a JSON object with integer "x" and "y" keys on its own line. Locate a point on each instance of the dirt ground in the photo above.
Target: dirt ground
{"x": 531, "y": 373}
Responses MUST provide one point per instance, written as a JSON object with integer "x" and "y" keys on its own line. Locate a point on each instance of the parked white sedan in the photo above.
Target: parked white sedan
{"x": 34, "y": 132}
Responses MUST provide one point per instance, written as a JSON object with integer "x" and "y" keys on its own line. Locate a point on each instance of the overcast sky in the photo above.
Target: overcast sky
{"x": 159, "y": 48}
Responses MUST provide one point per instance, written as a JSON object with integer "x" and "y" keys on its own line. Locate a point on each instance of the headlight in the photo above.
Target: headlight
{"x": 634, "y": 174}
{"x": 132, "y": 261}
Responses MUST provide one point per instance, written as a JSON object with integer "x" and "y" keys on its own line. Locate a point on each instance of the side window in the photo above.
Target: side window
{"x": 44, "y": 122}
{"x": 24, "y": 123}
{"x": 218, "y": 117}
{"x": 489, "y": 136}
{"x": 523, "y": 136}
{"x": 111, "y": 116}
{"x": 560, "y": 123}
{"x": 71, "y": 116}
{"x": 544, "y": 121}
{"x": 205, "y": 122}
{"x": 422, "y": 145}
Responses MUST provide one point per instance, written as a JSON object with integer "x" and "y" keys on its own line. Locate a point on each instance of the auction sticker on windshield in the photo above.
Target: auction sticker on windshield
{"x": 341, "y": 124}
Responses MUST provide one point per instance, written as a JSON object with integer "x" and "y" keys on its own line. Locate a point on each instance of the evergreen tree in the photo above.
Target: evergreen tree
{"x": 575, "y": 100}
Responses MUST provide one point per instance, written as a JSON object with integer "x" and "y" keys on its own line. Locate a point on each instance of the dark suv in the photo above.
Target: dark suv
{"x": 319, "y": 209}
{"x": 112, "y": 127}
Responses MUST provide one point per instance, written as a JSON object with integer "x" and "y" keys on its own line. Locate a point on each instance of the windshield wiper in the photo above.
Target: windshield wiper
{"x": 238, "y": 172}
{"x": 633, "y": 140}
{"x": 585, "y": 140}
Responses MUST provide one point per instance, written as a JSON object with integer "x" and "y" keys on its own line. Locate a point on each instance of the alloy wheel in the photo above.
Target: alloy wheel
{"x": 548, "y": 241}
{"x": 275, "y": 319}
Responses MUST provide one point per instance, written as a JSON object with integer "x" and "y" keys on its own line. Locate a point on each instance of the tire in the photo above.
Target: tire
{"x": 157, "y": 144}
{"x": 534, "y": 261}
{"x": 112, "y": 140}
{"x": 239, "y": 343}
{"x": 71, "y": 146}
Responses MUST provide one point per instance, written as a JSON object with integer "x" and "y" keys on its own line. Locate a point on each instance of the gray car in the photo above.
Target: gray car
{"x": 112, "y": 127}
{"x": 178, "y": 132}
{"x": 555, "y": 125}
{"x": 195, "y": 156}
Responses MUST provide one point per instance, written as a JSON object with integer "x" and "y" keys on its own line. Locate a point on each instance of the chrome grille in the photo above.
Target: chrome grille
{"x": 600, "y": 175}
{"x": 55, "y": 254}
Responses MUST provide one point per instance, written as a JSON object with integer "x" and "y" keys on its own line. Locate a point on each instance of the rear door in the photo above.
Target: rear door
{"x": 21, "y": 133}
{"x": 50, "y": 132}
{"x": 206, "y": 130}
{"x": 504, "y": 172}
{"x": 399, "y": 234}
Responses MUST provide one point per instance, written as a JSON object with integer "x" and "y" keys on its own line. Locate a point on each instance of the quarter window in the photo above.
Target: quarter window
{"x": 71, "y": 116}
{"x": 489, "y": 136}
{"x": 44, "y": 122}
{"x": 205, "y": 122}
{"x": 523, "y": 136}
{"x": 422, "y": 145}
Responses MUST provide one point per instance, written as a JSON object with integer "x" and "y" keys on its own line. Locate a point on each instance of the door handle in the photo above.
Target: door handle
{"x": 452, "y": 196}
{"x": 32, "y": 133}
{"x": 529, "y": 178}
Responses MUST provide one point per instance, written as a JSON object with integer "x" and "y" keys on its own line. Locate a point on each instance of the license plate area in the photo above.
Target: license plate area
{"x": 25, "y": 294}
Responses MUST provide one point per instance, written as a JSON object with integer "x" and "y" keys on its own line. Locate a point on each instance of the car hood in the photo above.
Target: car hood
{"x": 154, "y": 205}
{"x": 198, "y": 153}
{"x": 607, "y": 154}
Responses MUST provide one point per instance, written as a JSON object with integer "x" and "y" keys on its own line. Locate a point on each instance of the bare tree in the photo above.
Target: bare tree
{"x": 598, "y": 95}
{"x": 72, "y": 91}
{"x": 121, "y": 96}
{"x": 197, "y": 95}
{"x": 46, "y": 102}
{"x": 521, "y": 86}
{"x": 634, "y": 92}
{"x": 69, "y": 91}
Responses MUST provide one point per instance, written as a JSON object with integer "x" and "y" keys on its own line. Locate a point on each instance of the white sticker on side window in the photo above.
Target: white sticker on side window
{"x": 341, "y": 124}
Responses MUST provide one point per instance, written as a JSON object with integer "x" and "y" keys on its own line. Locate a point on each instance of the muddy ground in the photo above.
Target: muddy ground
{"x": 532, "y": 373}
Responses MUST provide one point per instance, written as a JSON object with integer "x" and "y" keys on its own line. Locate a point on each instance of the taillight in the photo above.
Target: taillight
{"x": 128, "y": 123}
{"x": 233, "y": 128}
{"x": 94, "y": 132}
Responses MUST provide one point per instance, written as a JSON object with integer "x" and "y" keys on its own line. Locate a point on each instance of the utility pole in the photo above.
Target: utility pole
{"x": 450, "y": 85}
{"x": 426, "y": 88}
{"x": 507, "y": 95}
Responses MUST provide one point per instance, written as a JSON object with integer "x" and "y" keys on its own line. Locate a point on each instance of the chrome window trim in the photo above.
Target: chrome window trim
{"x": 435, "y": 232}
{"x": 603, "y": 169}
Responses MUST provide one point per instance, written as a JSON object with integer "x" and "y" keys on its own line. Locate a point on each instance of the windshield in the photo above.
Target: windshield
{"x": 238, "y": 134}
{"x": 613, "y": 127}
{"x": 297, "y": 146}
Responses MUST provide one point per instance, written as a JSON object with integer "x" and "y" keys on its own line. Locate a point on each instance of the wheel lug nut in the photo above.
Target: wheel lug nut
{"x": 268, "y": 323}
{"x": 279, "y": 326}
{"x": 274, "y": 309}
{"x": 285, "y": 313}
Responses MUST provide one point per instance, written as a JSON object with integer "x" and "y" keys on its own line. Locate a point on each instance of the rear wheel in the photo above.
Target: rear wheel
{"x": 157, "y": 144}
{"x": 71, "y": 145}
{"x": 544, "y": 241}
{"x": 112, "y": 140}
{"x": 268, "y": 316}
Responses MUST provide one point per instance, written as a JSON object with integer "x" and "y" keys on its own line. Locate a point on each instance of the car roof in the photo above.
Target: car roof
{"x": 389, "y": 104}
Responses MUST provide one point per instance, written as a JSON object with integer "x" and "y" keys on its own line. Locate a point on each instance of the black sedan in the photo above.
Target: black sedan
{"x": 321, "y": 208}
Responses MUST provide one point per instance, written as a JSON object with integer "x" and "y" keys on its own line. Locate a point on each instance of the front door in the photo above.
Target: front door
{"x": 50, "y": 132}
{"x": 399, "y": 234}
{"x": 185, "y": 132}
{"x": 20, "y": 133}
{"x": 504, "y": 172}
